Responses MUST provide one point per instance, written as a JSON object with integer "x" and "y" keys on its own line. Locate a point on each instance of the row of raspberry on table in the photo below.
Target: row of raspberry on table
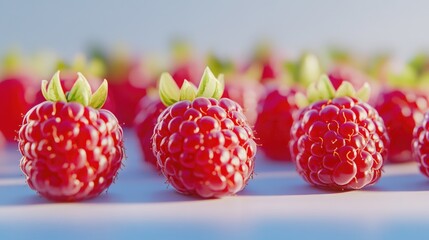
{"x": 262, "y": 84}
{"x": 275, "y": 107}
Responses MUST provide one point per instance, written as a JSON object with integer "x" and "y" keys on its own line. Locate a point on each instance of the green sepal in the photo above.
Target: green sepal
{"x": 364, "y": 93}
{"x": 100, "y": 95}
{"x": 304, "y": 71}
{"x": 208, "y": 84}
{"x": 220, "y": 87}
{"x": 324, "y": 90}
{"x": 345, "y": 89}
{"x": 80, "y": 92}
{"x": 210, "y": 87}
{"x": 187, "y": 91}
{"x": 53, "y": 90}
{"x": 169, "y": 92}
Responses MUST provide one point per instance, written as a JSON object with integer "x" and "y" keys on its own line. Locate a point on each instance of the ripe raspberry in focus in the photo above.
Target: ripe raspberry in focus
{"x": 420, "y": 145}
{"x": 275, "y": 118}
{"x": 338, "y": 141}
{"x": 72, "y": 150}
{"x": 204, "y": 146}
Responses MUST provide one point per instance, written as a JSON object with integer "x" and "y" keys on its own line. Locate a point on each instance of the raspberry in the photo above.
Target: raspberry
{"x": 71, "y": 150}
{"x": 401, "y": 111}
{"x": 145, "y": 121}
{"x": 275, "y": 118}
{"x": 246, "y": 94}
{"x": 420, "y": 144}
{"x": 14, "y": 90}
{"x": 339, "y": 143}
{"x": 204, "y": 147}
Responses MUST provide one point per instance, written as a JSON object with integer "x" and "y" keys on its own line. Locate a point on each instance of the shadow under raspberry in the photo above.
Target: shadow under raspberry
{"x": 401, "y": 183}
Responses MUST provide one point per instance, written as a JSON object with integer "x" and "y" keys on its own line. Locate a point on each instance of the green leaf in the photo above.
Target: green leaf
{"x": 80, "y": 92}
{"x": 188, "y": 91}
{"x": 169, "y": 92}
{"x": 55, "y": 91}
{"x": 100, "y": 95}
{"x": 207, "y": 85}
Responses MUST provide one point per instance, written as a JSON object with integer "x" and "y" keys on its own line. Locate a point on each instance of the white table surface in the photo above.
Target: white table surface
{"x": 277, "y": 203}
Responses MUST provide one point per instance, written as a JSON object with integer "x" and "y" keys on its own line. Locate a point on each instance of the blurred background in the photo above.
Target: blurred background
{"x": 230, "y": 28}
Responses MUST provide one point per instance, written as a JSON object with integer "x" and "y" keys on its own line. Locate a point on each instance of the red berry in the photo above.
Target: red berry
{"x": 401, "y": 111}
{"x": 246, "y": 94}
{"x": 275, "y": 118}
{"x": 205, "y": 147}
{"x": 15, "y": 96}
{"x": 184, "y": 72}
{"x": 71, "y": 151}
{"x": 420, "y": 144}
{"x": 341, "y": 73}
{"x": 339, "y": 144}
{"x": 126, "y": 97}
{"x": 147, "y": 115}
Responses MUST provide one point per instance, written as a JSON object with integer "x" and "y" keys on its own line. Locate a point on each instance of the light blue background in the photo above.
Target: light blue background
{"x": 227, "y": 27}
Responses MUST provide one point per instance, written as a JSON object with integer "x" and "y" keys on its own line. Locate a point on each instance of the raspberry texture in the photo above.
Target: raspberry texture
{"x": 275, "y": 118}
{"x": 70, "y": 152}
{"x": 401, "y": 111}
{"x": 205, "y": 147}
{"x": 339, "y": 144}
{"x": 420, "y": 144}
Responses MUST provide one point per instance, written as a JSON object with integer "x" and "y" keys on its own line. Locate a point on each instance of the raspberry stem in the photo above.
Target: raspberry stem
{"x": 323, "y": 90}
{"x": 81, "y": 91}
{"x": 210, "y": 87}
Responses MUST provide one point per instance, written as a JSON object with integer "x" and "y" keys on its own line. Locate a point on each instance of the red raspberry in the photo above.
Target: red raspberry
{"x": 339, "y": 143}
{"x": 147, "y": 115}
{"x": 246, "y": 94}
{"x": 14, "y": 93}
{"x": 71, "y": 151}
{"x": 401, "y": 111}
{"x": 274, "y": 122}
{"x": 127, "y": 85}
{"x": 420, "y": 144}
{"x": 204, "y": 146}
